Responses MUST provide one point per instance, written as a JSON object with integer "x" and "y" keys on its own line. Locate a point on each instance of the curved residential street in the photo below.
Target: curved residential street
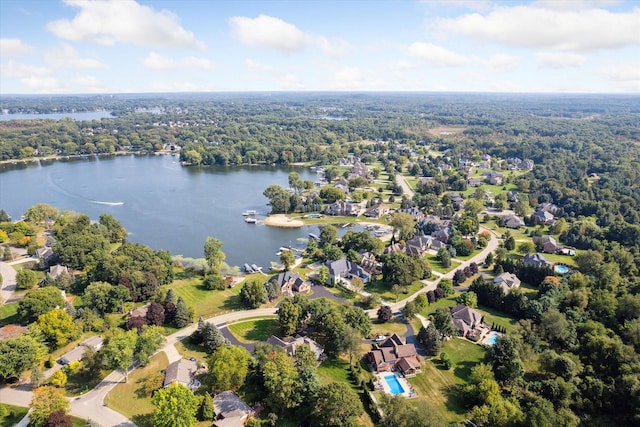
{"x": 91, "y": 405}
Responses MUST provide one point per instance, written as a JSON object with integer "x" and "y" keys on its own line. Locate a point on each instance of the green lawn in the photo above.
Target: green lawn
{"x": 437, "y": 388}
{"x": 14, "y": 415}
{"x": 382, "y": 290}
{"x": 187, "y": 349}
{"x": 9, "y": 314}
{"x": 129, "y": 399}
{"x": 204, "y": 302}
{"x": 255, "y": 330}
{"x": 561, "y": 259}
{"x": 437, "y": 265}
{"x": 394, "y": 326}
{"x": 496, "y": 317}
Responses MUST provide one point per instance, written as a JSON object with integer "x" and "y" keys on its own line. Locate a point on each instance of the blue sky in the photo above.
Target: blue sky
{"x": 112, "y": 46}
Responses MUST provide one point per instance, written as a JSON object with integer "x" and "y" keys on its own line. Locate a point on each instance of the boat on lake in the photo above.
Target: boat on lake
{"x": 250, "y": 220}
{"x": 249, "y": 213}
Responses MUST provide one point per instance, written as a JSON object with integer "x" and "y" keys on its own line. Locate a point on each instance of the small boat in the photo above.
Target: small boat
{"x": 313, "y": 236}
{"x": 248, "y": 269}
{"x": 249, "y": 213}
{"x": 251, "y": 220}
{"x": 255, "y": 267}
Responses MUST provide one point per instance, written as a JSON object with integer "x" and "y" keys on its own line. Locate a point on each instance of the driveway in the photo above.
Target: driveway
{"x": 8, "y": 281}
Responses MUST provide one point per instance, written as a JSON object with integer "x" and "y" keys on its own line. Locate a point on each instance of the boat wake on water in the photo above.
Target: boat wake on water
{"x": 97, "y": 202}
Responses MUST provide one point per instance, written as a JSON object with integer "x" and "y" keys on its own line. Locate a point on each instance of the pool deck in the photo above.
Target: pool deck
{"x": 381, "y": 384}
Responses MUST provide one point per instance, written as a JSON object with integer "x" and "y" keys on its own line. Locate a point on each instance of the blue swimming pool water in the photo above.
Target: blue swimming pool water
{"x": 394, "y": 384}
{"x": 562, "y": 269}
{"x": 492, "y": 338}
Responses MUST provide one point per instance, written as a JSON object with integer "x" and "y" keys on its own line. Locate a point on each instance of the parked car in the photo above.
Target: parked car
{"x": 379, "y": 338}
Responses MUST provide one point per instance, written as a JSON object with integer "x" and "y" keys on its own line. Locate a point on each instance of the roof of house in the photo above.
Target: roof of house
{"x": 467, "y": 314}
{"x": 421, "y": 242}
{"x": 228, "y": 405}
{"x": 140, "y": 311}
{"x": 342, "y": 266}
{"x": 180, "y": 371}
{"x": 507, "y": 280}
{"x": 73, "y": 355}
{"x": 285, "y": 277}
{"x": 408, "y": 363}
{"x": 57, "y": 270}
{"x": 535, "y": 259}
{"x": 290, "y": 345}
{"x": 45, "y": 252}
{"x": 94, "y": 342}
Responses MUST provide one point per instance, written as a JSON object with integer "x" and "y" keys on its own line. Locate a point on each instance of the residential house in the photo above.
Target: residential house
{"x": 512, "y": 221}
{"x": 543, "y": 217}
{"x": 377, "y": 211}
{"x": 513, "y": 196}
{"x": 94, "y": 343}
{"x": 474, "y": 182}
{"x": 290, "y": 346}
{"x": 443, "y": 235}
{"x": 466, "y": 319}
{"x": 345, "y": 269}
{"x": 370, "y": 264}
{"x": 182, "y": 371}
{"x": 291, "y": 282}
{"x": 456, "y": 200}
{"x": 56, "y": 270}
{"x": 342, "y": 208}
{"x": 436, "y": 245}
{"x": 394, "y": 353}
{"x": 547, "y": 207}
{"x": 394, "y": 247}
{"x": 493, "y": 178}
{"x": 418, "y": 245}
{"x": 537, "y": 260}
{"x": 44, "y": 255}
{"x": 342, "y": 187}
{"x": 548, "y": 244}
{"x": 507, "y": 281}
{"x": 230, "y": 410}
{"x": 415, "y": 213}
{"x": 140, "y": 311}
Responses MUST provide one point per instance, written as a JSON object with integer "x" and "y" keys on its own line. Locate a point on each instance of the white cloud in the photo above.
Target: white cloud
{"x": 291, "y": 82}
{"x": 125, "y": 21}
{"x": 14, "y": 47}
{"x": 352, "y": 78}
{"x": 437, "y": 55}
{"x": 182, "y": 86}
{"x": 501, "y": 62}
{"x": 66, "y": 56}
{"x": 89, "y": 83}
{"x": 269, "y": 32}
{"x": 560, "y": 60}
{"x": 629, "y": 72}
{"x": 257, "y": 67}
{"x": 573, "y": 4}
{"x": 155, "y": 61}
{"x": 535, "y": 27}
{"x": 336, "y": 47}
{"x": 43, "y": 84}
{"x": 16, "y": 70}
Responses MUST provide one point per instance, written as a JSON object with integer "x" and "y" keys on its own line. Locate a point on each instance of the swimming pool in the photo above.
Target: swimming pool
{"x": 562, "y": 269}
{"x": 492, "y": 338}
{"x": 394, "y": 384}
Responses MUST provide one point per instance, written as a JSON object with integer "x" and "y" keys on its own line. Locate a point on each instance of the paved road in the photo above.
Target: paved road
{"x": 406, "y": 190}
{"x": 8, "y": 274}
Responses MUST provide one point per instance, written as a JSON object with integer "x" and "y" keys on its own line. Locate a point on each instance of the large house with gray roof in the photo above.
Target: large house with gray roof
{"x": 345, "y": 269}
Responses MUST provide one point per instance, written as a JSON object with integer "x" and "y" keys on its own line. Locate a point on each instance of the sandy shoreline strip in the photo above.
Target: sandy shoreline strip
{"x": 281, "y": 220}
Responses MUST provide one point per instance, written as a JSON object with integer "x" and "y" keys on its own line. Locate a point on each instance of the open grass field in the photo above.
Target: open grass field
{"x": 381, "y": 290}
{"x": 437, "y": 388}
{"x": 129, "y": 398}
{"x": 491, "y": 316}
{"x": 255, "y": 330}
{"x": 14, "y": 415}
{"x": 9, "y": 314}
{"x": 394, "y": 326}
{"x": 204, "y": 302}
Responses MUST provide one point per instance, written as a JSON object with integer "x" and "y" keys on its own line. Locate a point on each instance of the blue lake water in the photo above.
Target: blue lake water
{"x": 161, "y": 203}
{"x": 394, "y": 384}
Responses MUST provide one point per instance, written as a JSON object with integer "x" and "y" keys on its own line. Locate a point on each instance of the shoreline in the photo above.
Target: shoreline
{"x": 283, "y": 221}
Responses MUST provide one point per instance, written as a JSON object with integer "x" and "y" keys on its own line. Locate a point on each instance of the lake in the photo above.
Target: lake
{"x": 82, "y": 115}
{"x": 161, "y": 203}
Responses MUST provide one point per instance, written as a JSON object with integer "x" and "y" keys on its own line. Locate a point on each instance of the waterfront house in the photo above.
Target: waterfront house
{"x": 342, "y": 208}
{"x": 376, "y": 211}
{"x": 290, "y": 283}
{"x": 345, "y": 269}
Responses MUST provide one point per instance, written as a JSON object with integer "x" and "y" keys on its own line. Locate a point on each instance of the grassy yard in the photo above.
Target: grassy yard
{"x": 382, "y": 290}
{"x": 394, "y": 326}
{"x": 437, "y": 265}
{"x": 9, "y": 314}
{"x": 438, "y": 388}
{"x": 255, "y": 330}
{"x": 14, "y": 414}
{"x": 187, "y": 350}
{"x": 204, "y": 302}
{"x": 129, "y": 399}
{"x": 491, "y": 316}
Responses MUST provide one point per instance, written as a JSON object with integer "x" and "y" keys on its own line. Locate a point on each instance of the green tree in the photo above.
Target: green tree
{"x": 207, "y": 411}
{"x": 287, "y": 258}
{"x": 58, "y": 379}
{"x": 41, "y": 214}
{"x": 447, "y": 286}
{"x": 328, "y": 235}
{"x": 176, "y": 406}
{"x": 39, "y": 301}
{"x": 113, "y": 229}
{"x": 229, "y": 367}
{"x": 295, "y": 183}
{"x": 213, "y": 253}
{"x": 119, "y": 351}
{"x": 150, "y": 340}
{"x": 444, "y": 323}
{"x": 430, "y": 339}
{"x": 183, "y": 315}
{"x": 444, "y": 256}
{"x": 399, "y": 413}
{"x": 46, "y": 400}
{"x": 526, "y": 248}
{"x": 504, "y": 358}
{"x": 20, "y": 353}
{"x": 281, "y": 380}
{"x": 323, "y": 275}
{"x": 469, "y": 298}
{"x": 403, "y": 225}
{"x": 26, "y": 279}
{"x": 288, "y": 316}
{"x": 57, "y": 326}
{"x": 337, "y": 405}
{"x": 253, "y": 294}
